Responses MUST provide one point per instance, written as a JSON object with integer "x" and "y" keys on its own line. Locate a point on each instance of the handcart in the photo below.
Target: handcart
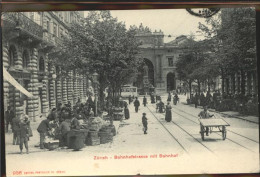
{"x": 211, "y": 123}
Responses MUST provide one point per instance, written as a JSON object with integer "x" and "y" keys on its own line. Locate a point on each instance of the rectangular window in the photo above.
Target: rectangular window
{"x": 170, "y": 61}
{"x": 48, "y": 25}
{"x": 61, "y": 32}
{"x": 54, "y": 29}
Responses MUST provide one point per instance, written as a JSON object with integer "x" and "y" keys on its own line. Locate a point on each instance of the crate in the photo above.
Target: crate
{"x": 105, "y": 137}
{"x": 93, "y": 141}
{"x": 51, "y": 145}
{"x": 93, "y": 134}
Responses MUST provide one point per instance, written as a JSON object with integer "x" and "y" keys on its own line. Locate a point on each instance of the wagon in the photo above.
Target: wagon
{"x": 210, "y": 123}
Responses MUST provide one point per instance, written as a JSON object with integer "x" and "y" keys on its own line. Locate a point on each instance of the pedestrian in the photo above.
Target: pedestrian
{"x": 169, "y": 97}
{"x": 136, "y": 104}
{"x": 9, "y": 115}
{"x": 145, "y": 123}
{"x": 16, "y": 125}
{"x": 64, "y": 128}
{"x": 129, "y": 99}
{"x": 205, "y": 115}
{"x": 168, "y": 115}
{"x": 152, "y": 98}
{"x": 161, "y": 106}
{"x": 175, "y": 99}
{"x": 43, "y": 128}
{"x": 24, "y": 133}
{"x": 196, "y": 100}
{"x": 202, "y": 99}
{"x": 126, "y": 111}
{"x": 144, "y": 101}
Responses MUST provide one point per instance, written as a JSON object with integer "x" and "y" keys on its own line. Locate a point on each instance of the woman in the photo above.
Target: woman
{"x": 126, "y": 110}
{"x": 168, "y": 115}
{"x": 169, "y": 97}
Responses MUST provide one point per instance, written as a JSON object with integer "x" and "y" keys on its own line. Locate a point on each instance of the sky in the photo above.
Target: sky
{"x": 174, "y": 22}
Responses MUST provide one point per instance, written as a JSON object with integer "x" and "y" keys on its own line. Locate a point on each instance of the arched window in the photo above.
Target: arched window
{"x": 11, "y": 56}
{"x": 25, "y": 59}
{"x": 41, "y": 64}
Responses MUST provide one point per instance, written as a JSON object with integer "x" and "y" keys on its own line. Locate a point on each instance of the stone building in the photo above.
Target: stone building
{"x": 160, "y": 58}
{"x": 27, "y": 40}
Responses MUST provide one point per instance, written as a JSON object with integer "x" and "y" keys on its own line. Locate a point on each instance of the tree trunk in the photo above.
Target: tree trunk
{"x": 199, "y": 86}
{"x": 190, "y": 88}
{"x": 223, "y": 81}
{"x": 242, "y": 82}
{"x": 208, "y": 85}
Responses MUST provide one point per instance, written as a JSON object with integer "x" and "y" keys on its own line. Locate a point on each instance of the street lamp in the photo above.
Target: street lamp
{"x": 95, "y": 79}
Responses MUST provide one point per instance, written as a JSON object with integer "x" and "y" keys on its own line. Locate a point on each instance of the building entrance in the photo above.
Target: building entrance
{"x": 171, "y": 82}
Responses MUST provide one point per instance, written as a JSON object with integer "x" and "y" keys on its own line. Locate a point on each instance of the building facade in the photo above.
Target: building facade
{"x": 28, "y": 38}
{"x": 161, "y": 60}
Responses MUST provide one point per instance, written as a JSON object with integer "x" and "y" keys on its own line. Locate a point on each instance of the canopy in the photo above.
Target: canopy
{"x": 12, "y": 81}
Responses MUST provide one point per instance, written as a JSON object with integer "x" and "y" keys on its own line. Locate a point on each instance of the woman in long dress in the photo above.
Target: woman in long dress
{"x": 168, "y": 114}
{"x": 126, "y": 111}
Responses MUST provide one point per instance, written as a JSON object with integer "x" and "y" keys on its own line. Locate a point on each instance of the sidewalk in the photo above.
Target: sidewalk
{"x": 232, "y": 114}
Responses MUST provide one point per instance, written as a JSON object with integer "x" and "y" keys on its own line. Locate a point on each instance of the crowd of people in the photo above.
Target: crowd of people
{"x": 65, "y": 118}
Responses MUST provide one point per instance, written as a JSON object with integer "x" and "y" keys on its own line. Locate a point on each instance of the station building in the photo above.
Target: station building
{"x": 161, "y": 58}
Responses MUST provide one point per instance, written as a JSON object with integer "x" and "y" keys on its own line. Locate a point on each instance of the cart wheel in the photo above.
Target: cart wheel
{"x": 202, "y": 132}
{"x": 224, "y": 132}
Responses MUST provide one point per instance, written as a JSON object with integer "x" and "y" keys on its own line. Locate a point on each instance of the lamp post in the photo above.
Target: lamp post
{"x": 95, "y": 78}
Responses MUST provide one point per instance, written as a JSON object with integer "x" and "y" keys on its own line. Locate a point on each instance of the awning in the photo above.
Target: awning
{"x": 12, "y": 81}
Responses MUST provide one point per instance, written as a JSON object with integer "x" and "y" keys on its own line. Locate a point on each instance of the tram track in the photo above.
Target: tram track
{"x": 226, "y": 130}
{"x": 213, "y": 132}
{"x": 182, "y": 129}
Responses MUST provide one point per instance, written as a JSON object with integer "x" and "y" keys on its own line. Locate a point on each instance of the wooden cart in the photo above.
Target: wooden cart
{"x": 211, "y": 123}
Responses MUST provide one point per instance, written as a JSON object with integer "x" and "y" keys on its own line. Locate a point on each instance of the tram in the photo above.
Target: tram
{"x": 127, "y": 90}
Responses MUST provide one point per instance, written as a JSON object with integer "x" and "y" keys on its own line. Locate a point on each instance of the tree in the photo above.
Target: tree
{"x": 101, "y": 44}
{"x": 233, "y": 33}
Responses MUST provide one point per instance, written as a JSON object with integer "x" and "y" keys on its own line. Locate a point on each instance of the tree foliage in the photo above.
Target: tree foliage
{"x": 101, "y": 44}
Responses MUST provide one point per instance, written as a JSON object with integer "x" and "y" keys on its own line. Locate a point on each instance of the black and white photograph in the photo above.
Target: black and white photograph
{"x": 128, "y": 92}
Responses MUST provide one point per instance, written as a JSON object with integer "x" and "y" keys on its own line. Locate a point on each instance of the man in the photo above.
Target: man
{"x": 52, "y": 115}
{"x": 161, "y": 106}
{"x": 145, "y": 123}
{"x": 136, "y": 104}
{"x": 144, "y": 101}
{"x": 24, "y": 133}
{"x": 9, "y": 115}
{"x": 43, "y": 128}
{"x": 205, "y": 115}
{"x": 64, "y": 128}
{"x": 129, "y": 99}
{"x": 16, "y": 125}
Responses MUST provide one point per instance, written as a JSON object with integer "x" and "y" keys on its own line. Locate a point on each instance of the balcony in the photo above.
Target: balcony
{"x": 48, "y": 41}
{"x": 58, "y": 41}
{"x": 24, "y": 27}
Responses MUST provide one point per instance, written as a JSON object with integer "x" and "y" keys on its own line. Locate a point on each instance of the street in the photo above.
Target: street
{"x": 178, "y": 143}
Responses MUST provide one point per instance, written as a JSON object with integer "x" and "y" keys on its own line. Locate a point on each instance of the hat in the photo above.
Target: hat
{"x": 144, "y": 113}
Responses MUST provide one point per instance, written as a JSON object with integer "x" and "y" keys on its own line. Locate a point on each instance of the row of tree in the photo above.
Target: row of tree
{"x": 101, "y": 44}
{"x": 229, "y": 47}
